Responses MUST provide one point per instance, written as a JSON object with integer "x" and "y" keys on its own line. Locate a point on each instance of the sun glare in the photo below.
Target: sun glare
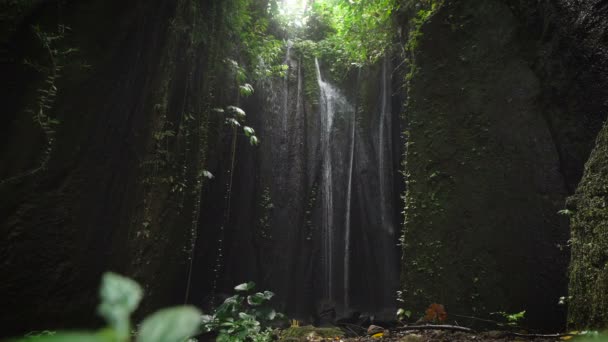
{"x": 294, "y": 10}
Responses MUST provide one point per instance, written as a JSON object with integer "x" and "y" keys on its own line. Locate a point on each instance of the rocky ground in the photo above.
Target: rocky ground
{"x": 449, "y": 336}
{"x": 314, "y": 334}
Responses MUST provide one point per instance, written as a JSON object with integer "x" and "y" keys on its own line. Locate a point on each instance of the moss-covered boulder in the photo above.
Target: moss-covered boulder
{"x": 482, "y": 171}
{"x": 310, "y": 333}
{"x": 589, "y": 266}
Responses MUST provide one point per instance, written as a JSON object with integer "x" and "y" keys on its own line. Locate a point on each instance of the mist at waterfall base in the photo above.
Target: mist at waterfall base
{"x": 325, "y": 236}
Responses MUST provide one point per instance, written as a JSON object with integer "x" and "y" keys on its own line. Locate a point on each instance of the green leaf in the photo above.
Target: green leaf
{"x": 248, "y": 131}
{"x": 75, "y": 336}
{"x": 232, "y": 122}
{"x": 237, "y": 111}
{"x": 245, "y": 287}
{"x": 120, "y": 296}
{"x": 402, "y": 313}
{"x": 207, "y": 174}
{"x": 245, "y": 316}
{"x": 254, "y": 141}
{"x": 246, "y": 89}
{"x": 268, "y": 295}
{"x": 170, "y": 325}
{"x": 256, "y": 299}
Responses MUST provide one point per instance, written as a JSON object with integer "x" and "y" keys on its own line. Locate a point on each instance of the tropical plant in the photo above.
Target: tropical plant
{"x": 243, "y": 317}
{"x": 120, "y": 296}
{"x": 513, "y": 319}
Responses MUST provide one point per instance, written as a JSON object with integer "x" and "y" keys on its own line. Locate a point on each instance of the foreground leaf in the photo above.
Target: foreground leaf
{"x": 70, "y": 337}
{"x": 120, "y": 296}
{"x": 170, "y": 325}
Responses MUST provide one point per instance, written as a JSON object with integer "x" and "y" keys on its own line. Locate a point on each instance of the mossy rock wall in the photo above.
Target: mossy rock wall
{"x": 122, "y": 184}
{"x": 588, "y": 295}
{"x": 482, "y": 171}
{"x": 506, "y": 99}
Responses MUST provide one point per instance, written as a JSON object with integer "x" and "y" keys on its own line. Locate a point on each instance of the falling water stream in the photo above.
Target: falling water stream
{"x": 328, "y": 173}
{"x": 333, "y": 103}
{"x": 345, "y": 161}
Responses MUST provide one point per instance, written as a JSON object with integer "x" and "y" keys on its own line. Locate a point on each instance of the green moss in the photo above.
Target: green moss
{"x": 588, "y": 288}
{"x": 307, "y": 332}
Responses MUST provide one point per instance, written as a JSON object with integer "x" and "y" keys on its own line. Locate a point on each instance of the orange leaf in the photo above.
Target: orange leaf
{"x": 435, "y": 313}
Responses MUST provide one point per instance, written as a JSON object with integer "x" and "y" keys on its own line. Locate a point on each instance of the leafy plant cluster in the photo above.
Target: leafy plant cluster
{"x": 120, "y": 296}
{"x": 349, "y": 33}
{"x": 513, "y": 319}
{"x": 255, "y": 43}
{"x": 266, "y": 206}
{"x": 243, "y": 317}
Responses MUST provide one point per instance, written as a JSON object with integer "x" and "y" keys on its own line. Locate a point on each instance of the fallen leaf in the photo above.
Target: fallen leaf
{"x": 435, "y": 313}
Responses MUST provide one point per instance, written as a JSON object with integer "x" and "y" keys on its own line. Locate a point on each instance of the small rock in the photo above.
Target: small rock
{"x": 374, "y": 329}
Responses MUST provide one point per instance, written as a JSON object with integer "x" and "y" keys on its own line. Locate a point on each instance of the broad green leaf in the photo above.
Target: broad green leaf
{"x": 207, "y": 174}
{"x": 256, "y": 299}
{"x": 232, "y": 122}
{"x": 246, "y": 316}
{"x": 268, "y": 295}
{"x": 271, "y": 315}
{"x": 245, "y": 287}
{"x": 248, "y": 131}
{"x": 170, "y": 325}
{"x": 237, "y": 111}
{"x": 75, "y": 336}
{"x": 246, "y": 89}
{"x": 120, "y": 296}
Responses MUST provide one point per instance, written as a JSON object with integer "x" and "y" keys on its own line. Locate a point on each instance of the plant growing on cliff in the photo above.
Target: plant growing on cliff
{"x": 120, "y": 296}
{"x": 56, "y": 58}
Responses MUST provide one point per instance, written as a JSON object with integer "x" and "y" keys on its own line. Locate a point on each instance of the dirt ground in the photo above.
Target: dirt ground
{"x": 448, "y": 336}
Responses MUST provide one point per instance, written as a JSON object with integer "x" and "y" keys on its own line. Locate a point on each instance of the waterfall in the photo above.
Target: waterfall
{"x": 386, "y": 186}
{"x": 327, "y": 113}
{"x": 335, "y": 231}
{"x": 347, "y": 235}
{"x": 385, "y": 152}
{"x": 328, "y": 174}
{"x": 287, "y": 62}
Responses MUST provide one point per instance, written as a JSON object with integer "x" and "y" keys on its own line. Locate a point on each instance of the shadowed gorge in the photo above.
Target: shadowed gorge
{"x": 410, "y": 168}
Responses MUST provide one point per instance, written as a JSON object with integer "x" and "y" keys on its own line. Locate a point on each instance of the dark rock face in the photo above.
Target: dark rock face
{"x": 483, "y": 172}
{"x": 588, "y": 302}
{"x": 107, "y": 198}
{"x": 504, "y": 105}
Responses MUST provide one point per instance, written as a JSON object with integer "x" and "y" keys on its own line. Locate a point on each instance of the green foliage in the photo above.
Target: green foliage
{"x": 348, "y": 33}
{"x": 402, "y": 314}
{"x": 591, "y": 336}
{"x": 243, "y": 317}
{"x": 172, "y": 324}
{"x": 265, "y": 208}
{"x": 363, "y": 29}
{"x": 512, "y": 319}
{"x": 422, "y": 15}
{"x": 120, "y": 296}
{"x": 57, "y": 56}
{"x": 254, "y": 42}
{"x": 246, "y": 89}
